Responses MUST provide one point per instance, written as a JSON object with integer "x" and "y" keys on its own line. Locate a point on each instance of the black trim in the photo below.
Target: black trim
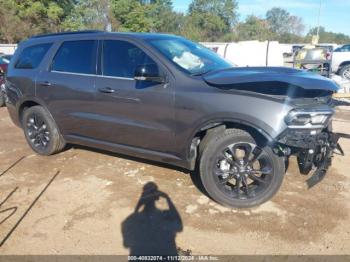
{"x": 68, "y": 33}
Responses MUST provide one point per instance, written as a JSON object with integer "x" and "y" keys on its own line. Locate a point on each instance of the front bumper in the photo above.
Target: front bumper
{"x": 314, "y": 150}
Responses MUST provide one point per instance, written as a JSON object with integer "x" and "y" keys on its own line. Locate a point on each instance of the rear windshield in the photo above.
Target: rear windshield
{"x": 31, "y": 56}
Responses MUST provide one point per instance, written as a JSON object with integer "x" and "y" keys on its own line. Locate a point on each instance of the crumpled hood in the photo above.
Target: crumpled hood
{"x": 271, "y": 80}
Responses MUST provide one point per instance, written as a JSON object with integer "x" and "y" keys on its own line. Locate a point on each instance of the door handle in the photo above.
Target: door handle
{"x": 45, "y": 83}
{"x": 106, "y": 90}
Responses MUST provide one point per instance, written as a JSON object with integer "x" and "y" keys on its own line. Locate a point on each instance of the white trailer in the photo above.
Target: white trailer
{"x": 8, "y": 49}
{"x": 250, "y": 53}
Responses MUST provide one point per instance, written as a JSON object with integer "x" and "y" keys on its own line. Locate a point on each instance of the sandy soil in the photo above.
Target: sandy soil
{"x": 83, "y": 201}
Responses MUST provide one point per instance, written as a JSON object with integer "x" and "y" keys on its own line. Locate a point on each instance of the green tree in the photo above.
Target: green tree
{"x": 254, "y": 28}
{"x": 90, "y": 14}
{"x": 225, "y": 9}
{"x": 328, "y": 37}
{"x": 210, "y": 20}
{"x": 278, "y": 19}
{"x": 23, "y": 18}
{"x": 284, "y": 27}
{"x": 296, "y": 25}
{"x": 165, "y": 19}
{"x": 10, "y": 23}
{"x": 145, "y": 15}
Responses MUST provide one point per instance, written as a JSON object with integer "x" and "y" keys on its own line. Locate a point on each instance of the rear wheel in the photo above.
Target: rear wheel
{"x": 41, "y": 131}
{"x": 238, "y": 172}
{"x": 2, "y": 99}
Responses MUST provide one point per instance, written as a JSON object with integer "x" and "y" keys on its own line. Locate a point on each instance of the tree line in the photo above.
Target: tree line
{"x": 205, "y": 20}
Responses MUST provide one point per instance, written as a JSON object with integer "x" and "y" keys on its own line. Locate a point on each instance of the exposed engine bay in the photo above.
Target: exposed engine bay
{"x": 314, "y": 151}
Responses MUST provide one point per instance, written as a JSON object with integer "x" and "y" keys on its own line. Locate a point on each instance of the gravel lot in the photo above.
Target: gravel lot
{"x": 83, "y": 201}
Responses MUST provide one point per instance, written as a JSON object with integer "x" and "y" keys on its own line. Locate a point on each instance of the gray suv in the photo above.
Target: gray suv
{"x": 167, "y": 99}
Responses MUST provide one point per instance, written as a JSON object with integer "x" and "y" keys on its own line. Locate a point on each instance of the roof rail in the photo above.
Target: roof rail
{"x": 68, "y": 33}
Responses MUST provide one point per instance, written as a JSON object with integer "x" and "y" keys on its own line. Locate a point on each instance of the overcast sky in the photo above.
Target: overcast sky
{"x": 335, "y": 14}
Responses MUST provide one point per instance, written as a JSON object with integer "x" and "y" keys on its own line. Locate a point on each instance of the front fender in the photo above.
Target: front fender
{"x": 228, "y": 118}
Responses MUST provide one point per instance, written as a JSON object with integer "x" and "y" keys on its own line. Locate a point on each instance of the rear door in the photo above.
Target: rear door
{"x": 67, "y": 86}
{"x": 133, "y": 113}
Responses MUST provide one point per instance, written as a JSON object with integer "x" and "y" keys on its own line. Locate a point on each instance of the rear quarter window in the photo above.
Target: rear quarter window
{"x": 31, "y": 56}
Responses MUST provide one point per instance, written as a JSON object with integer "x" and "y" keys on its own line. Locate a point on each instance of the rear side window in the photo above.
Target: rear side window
{"x": 120, "y": 58}
{"x": 31, "y": 56}
{"x": 76, "y": 57}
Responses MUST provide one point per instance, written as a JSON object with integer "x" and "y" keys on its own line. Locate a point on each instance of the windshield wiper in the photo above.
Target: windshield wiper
{"x": 210, "y": 70}
{"x": 202, "y": 73}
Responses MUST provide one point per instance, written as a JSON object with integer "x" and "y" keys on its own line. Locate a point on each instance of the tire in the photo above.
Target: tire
{"x": 247, "y": 192}
{"x": 345, "y": 72}
{"x": 2, "y": 100}
{"x": 41, "y": 131}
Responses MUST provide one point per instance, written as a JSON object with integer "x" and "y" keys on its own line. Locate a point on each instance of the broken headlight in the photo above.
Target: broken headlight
{"x": 308, "y": 119}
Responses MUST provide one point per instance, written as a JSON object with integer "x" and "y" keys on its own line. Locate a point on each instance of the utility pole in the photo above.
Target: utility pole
{"x": 318, "y": 21}
{"x": 107, "y": 22}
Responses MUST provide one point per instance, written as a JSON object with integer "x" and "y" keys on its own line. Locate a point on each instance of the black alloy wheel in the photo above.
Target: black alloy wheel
{"x": 243, "y": 170}
{"x": 41, "y": 131}
{"x": 38, "y": 132}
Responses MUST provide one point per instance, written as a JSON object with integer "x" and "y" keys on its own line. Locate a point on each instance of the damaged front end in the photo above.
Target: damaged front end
{"x": 310, "y": 138}
{"x": 306, "y": 130}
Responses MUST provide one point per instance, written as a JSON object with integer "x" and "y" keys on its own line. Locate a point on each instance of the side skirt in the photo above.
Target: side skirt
{"x": 129, "y": 150}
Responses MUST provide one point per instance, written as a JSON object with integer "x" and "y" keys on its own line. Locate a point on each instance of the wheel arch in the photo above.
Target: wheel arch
{"x": 27, "y": 103}
{"x": 203, "y": 133}
{"x": 344, "y": 63}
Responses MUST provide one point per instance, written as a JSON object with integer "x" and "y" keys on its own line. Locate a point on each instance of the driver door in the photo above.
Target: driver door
{"x": 132, "y": 112}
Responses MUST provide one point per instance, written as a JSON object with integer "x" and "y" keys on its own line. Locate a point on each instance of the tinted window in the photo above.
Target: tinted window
{"x": 31, "y": 56}
{"x": 121, "y": 58}
{"x": 346, "y": 48}
{"x": 76, "y": 57}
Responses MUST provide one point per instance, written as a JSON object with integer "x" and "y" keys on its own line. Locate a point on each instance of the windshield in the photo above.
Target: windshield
{"x": 194, "y": 58}
{"x": 344, "y": 48}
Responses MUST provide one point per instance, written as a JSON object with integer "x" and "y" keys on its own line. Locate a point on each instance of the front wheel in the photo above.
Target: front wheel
{"x": 238, "y": 172}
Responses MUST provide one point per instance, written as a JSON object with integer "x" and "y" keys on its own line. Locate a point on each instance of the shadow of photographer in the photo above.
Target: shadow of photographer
{"x": 149, "y": 230}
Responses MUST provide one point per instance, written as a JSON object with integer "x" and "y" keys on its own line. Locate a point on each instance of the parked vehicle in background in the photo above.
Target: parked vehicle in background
{"x": 341, "y": 61}
{"x": 329, "y": 47}
{"x": 7, "y": 48}
{"x": 2, "y": 88}
{"x": 287, "y": 50}
{"x": 314, "y": 59}
{"x": 165, "y": 98}
{"x": 4, "y": 61}
{"x": 296, "y": 49}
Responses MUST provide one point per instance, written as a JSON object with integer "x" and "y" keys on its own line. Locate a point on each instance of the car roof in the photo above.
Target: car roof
{"x": 67, "y": 35}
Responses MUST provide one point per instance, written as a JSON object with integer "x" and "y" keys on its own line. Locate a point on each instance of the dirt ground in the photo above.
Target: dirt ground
{"x": 83, "y": 201}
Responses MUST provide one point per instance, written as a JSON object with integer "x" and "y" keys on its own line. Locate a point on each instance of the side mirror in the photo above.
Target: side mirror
{"x": 148, "y": 72}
